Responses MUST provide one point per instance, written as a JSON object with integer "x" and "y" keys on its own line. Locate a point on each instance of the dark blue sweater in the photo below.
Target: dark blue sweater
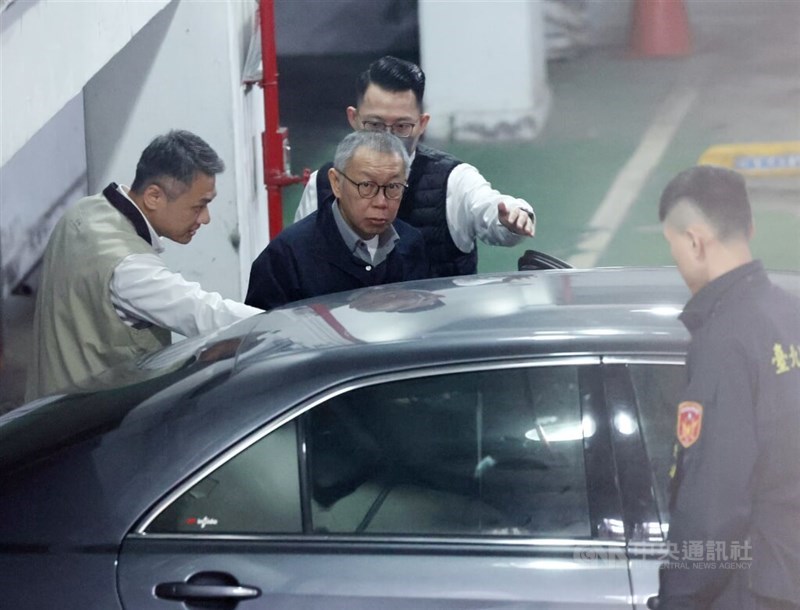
{"x": 310, "y": 258}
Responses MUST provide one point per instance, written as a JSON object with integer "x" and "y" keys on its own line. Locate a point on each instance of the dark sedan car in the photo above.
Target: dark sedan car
{"x": 495, "y": 441}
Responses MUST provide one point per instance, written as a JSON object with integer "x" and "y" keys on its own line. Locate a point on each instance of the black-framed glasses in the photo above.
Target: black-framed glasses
{"x": 401, "y": 129}
{"x": 368, "y": 189}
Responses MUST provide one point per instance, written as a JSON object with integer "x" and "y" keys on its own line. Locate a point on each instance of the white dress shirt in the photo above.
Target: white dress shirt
{"x": 144, "y": 290}
{"x": 471, "y": 208}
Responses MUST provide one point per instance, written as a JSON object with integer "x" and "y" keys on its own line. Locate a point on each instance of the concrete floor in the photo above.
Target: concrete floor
{"x": 743, "y": 79}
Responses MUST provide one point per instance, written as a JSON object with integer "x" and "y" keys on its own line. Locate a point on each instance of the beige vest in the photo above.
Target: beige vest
{"x": 76, "y": 331}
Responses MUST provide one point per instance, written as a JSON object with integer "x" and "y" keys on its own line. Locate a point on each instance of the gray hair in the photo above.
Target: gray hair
{"x": 175, "y": 158}
{"x": 378, "y": 141}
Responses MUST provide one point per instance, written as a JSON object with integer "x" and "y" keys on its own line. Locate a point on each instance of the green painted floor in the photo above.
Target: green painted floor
{"x": 603, "y": 102}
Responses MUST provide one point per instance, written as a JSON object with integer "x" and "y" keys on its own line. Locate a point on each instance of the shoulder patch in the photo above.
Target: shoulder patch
{"x": 690, "y": 421}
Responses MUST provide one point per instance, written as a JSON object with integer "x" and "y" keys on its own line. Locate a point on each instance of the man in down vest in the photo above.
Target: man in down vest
{"x": 450, "y": 202}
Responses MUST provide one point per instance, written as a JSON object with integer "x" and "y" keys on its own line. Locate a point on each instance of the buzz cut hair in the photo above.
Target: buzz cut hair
{"x": 717, "y": 193}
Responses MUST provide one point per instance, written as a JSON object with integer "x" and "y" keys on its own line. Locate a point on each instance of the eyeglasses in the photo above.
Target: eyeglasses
{"x": 401, "y": 130}
{"x": 368, "y": 189}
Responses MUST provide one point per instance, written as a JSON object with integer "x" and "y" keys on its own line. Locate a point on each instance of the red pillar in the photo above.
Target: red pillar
{"x": 275, "y": 138}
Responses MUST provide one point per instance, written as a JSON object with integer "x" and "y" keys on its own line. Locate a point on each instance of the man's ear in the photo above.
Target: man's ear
{"x": 423, "y": 122}
{"x": 335, "y": 187}
{"x": 153, "y": 197}
{"x": 701, "y": 237}
{"x": 352, "y": 117}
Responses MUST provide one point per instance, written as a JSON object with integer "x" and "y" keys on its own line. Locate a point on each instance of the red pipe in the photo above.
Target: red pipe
{"x": 275, "y": 139}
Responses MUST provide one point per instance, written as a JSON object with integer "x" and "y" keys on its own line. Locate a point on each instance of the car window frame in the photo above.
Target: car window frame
{"x": 600, "y": 511}
{"x": 632, "y": 463}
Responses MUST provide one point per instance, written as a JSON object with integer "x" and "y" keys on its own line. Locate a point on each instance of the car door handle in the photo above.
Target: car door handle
{"x": 184, "y": 591}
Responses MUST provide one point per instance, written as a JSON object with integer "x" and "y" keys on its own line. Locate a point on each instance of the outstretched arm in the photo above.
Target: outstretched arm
{"x": 475, "y": 210}
{"x": 144, "y": 289}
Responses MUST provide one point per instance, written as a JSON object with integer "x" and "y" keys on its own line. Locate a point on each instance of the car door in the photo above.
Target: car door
{"x": 474, "y": 486}
{"x": 642, "y": 394}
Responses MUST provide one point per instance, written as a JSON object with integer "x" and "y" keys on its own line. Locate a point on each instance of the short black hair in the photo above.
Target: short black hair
{"x": 178, "y": 155}
{"x": 719, "y": 193}
{"x": 392, "y": 74}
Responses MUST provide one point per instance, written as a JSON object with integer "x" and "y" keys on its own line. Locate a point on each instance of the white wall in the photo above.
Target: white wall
{"x": 49, "y": 49}
{"x": 183, "y": 71}
{"x": 36, "y": 185}
{"x": 486, "y": 69}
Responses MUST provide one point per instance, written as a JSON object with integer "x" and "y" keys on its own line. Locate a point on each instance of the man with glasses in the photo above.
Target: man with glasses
{"x": 450, "y": 202}
{"x": 353, "y": 240}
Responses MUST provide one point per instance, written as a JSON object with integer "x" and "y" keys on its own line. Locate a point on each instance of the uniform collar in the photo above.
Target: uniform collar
{"x": 705, "y": 302}
{"x": 155, "y": 240}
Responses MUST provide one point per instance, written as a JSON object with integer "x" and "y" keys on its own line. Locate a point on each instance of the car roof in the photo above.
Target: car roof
{"x": 503, "y": 305}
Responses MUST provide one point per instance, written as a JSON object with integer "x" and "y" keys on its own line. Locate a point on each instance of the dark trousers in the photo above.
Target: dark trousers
{"x": 739, "y": 596}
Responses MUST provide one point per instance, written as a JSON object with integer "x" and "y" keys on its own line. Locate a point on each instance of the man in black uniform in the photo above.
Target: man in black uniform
{"x": 734, "y": 536}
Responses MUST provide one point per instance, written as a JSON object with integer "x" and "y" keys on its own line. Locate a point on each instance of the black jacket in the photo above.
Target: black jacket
{"x": 736, "y": 488}
{"x": 424, "y": 207}
{"x": 310, "y": 258}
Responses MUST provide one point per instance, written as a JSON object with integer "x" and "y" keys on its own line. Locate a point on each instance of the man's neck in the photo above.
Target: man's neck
{"x": 139, "y": 203}
{"x": 136, "y": 198}
{"x": 727, "y": 258}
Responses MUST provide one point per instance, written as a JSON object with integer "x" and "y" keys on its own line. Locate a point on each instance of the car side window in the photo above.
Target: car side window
{"x": 258, "y": 491}
{"x": 481, "y": 453}
{"x": 485, "y": 453}
{"x": 658, "y": 389}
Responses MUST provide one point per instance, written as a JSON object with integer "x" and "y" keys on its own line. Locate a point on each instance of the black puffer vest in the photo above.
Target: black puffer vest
{"x": 423, "y": 206}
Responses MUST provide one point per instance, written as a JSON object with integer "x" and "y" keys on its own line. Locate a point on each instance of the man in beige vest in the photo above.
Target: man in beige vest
{"x": 106, "y": 295}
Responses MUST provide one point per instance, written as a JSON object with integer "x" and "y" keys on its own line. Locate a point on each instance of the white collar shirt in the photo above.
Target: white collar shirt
{"x": 145, "y": 292}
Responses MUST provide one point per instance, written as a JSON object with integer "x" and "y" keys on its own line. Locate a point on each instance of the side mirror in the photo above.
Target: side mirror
{"x": 533, "y": 260}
